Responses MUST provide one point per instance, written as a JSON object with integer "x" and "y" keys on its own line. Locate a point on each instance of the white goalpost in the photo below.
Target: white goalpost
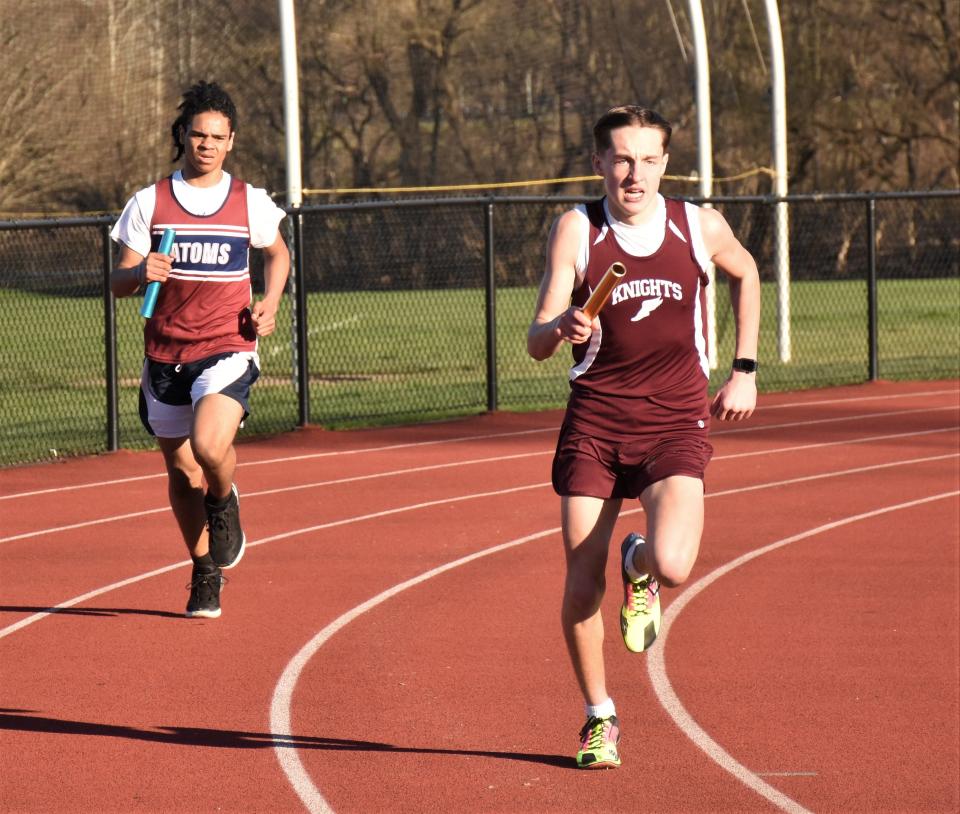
{"x": 781, "y": 257}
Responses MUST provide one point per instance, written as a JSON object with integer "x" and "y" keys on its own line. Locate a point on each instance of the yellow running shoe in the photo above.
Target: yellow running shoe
{"x": 640, "y": 614}
{"x": 598, "y": 744}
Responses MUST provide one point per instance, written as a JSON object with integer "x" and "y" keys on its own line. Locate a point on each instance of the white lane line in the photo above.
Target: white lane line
{"x": 844, "y": 442}
{"x": 75, "y": 486}
{"x": 435, "y": 442}
{"x": 887, "y": 397}
{"x": 279, "y": 490}
{"x": 806, "y": 478}
{"x": 407, "y": 471}
{"x": 398, "y": 510}
{"x": 280, "y": 721}
{"x": 834, "y": 420}
{"x": 83, "y": 524}
{"x": 69, "y": 603}
{"x": 656, "y": 657}
{"x": 289, "y": 458}
{"x": 459, "y": 439}
{"x": 281, "y": 703}
{"x": 114, "y": 518}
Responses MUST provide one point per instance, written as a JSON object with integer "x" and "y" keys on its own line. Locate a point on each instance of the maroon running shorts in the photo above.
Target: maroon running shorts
{"x": 594, "y": 467}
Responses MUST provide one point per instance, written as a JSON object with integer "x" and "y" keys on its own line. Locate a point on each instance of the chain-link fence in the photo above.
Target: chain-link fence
{"x": 417, "y": 310}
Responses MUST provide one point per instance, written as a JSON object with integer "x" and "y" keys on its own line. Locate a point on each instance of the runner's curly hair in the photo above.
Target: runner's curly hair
{"x": 202, "y": 97}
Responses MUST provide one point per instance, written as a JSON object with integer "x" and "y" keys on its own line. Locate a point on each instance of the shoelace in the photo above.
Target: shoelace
{"x": 219, "y": 522}
{"x": 207, "y": 580}
{"x": 638, "y": 595}
{"x": 593, "y": 733}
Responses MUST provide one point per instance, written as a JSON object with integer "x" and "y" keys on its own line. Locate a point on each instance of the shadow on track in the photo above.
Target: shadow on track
{"x": 90, "y": 611}
{"x": 232, "y": 739}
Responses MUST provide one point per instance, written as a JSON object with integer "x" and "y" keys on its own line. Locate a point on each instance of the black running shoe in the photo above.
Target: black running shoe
{"x": 227, "y": 540}
{"x": 205, "y": 592}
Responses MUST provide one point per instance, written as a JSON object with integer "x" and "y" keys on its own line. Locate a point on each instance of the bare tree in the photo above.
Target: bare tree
{"x": 874, "y": 89}
{"x": 446, "y": 92}
{"x": 31, "y": 114}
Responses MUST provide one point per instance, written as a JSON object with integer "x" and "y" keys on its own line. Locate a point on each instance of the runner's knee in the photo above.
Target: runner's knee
{"x": 673, "y": 567}
{"x": 209, "y": 452}
{"x": 583, "y": 593}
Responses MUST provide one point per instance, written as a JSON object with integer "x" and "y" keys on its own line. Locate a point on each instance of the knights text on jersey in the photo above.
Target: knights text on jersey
{"x": 204, "y": 307}
{"x": 648, "y": 362}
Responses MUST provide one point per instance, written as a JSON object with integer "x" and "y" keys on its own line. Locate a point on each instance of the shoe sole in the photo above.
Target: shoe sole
{"x": 243, "y": 548}
{"x": 203, "y": 614}
{"x": 605, "y": 764}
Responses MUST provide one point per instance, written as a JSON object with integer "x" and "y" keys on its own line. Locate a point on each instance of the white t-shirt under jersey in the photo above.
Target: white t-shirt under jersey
{"x": 643, "y": 239}
{"x": 133, "y": 227}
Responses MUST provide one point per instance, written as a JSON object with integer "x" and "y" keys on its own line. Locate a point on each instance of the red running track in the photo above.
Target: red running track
{"x": 391, "y": 640}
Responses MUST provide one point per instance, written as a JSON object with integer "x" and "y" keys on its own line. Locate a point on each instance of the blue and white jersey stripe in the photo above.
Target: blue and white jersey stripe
{"x": 217, "y": 254}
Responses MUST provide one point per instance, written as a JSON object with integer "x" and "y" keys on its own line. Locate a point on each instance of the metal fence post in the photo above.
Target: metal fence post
{"x": 873, "y": 351}
{"x": 110, "y": 344}
{"x": 300, "y": 318}
{"x": 491, "y": 315}
{"x": 75, "y": 301}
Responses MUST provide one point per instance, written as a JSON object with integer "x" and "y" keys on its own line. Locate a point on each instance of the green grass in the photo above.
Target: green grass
{"x": 395, "y": 357}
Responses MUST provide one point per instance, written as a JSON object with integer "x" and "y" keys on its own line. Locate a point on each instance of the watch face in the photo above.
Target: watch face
{"x": 745, "y": 365}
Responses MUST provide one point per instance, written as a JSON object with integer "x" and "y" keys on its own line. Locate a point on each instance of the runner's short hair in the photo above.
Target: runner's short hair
{"x": 629, "y": 116}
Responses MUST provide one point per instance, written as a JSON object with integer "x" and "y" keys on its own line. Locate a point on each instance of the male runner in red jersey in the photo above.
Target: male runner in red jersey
{"x": 637, "y": 418}
{"x": 201, "y": 343}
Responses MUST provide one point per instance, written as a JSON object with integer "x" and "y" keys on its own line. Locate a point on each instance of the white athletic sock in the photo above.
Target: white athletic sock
{"x": 628, "y": 565}
{"x": 604, "y": 710}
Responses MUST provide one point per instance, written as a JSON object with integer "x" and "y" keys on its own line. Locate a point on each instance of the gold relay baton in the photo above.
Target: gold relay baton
{"x": 600, "y": 295}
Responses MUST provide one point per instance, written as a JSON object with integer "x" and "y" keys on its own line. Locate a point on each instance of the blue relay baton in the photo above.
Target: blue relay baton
{"x": 153, "y": 289}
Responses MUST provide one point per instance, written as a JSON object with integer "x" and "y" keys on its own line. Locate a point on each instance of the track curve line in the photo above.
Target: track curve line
{"x": 69, "y": 603}
{"x": 656, "y": 658}
{"x": 284, "y": 746}
{"x": 286, "y": 459}
{"x": 280, "y": 706}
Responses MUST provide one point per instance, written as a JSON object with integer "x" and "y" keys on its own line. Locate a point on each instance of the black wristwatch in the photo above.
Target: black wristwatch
{"x": 745, "y": 365}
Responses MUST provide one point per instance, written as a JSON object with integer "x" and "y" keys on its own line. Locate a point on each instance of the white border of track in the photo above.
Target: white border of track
{"x": 280, "y": 720}
{"x": 358, "y": 451}
{"x": 657, "y": 668}
{"x": 280, "y": 706}
{"x": 410, "y": 470}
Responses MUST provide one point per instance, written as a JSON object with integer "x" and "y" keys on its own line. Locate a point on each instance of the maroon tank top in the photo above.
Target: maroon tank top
{"x": 203, "y": 308}
{"x": 646, "y": 369}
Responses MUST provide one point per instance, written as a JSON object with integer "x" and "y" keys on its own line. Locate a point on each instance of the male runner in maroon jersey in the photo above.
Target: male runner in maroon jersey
{"x": 637, "y": 418}
{"x": 201, "y": 343}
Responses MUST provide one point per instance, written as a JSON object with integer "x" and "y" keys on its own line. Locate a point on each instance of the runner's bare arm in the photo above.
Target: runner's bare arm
{"x": 134, "y": 271}
{"x": 555, "y": 321}
{"x": 275, "y": 271}
{"x": 737, "y": 398}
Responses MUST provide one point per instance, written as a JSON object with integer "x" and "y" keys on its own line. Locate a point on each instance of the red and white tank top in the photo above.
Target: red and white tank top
{"x": 646, "y": 368}
{"x": 204, "y": 307}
